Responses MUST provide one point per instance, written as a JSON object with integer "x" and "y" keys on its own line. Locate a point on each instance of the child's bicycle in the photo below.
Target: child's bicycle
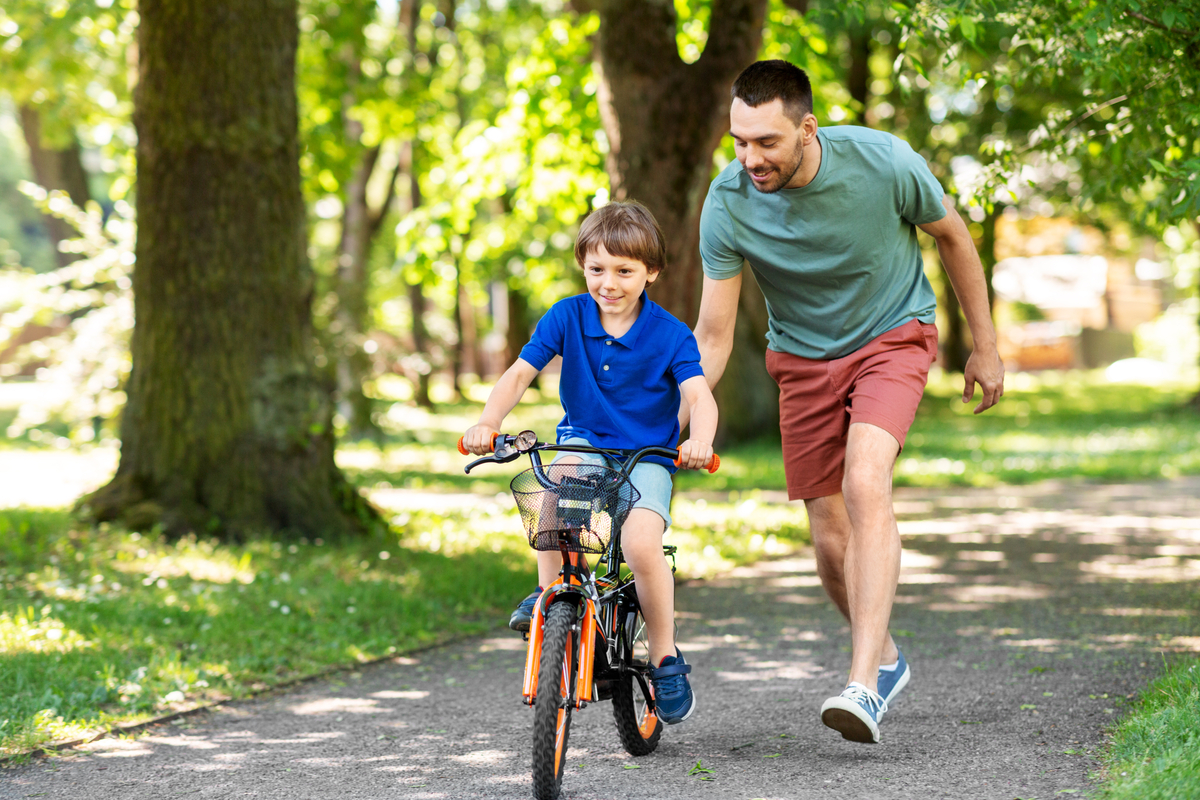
{"x": 587, "y": 639}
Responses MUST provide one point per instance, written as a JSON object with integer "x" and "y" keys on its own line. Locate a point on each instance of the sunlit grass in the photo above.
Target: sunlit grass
{"x": 1154, "y": 753}
{"x": 102, "y": 625}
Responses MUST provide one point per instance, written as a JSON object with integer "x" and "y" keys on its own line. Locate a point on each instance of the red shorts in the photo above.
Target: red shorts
{"x": 881, "y": 383}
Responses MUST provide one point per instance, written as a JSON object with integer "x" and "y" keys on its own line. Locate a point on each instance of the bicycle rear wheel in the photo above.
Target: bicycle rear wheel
{"x": 552, "y": 709}
{"x": 638, "y": 726}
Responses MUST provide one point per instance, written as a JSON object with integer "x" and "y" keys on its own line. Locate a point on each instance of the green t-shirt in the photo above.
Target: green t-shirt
{"x": 838, "y": 259}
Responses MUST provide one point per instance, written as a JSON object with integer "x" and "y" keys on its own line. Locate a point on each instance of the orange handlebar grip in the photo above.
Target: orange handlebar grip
{"x": 463, "y": 450}
{"x": 712, "y": 466}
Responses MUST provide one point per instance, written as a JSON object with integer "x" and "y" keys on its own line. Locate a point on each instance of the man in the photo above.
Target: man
{"x": 827, "y": 219}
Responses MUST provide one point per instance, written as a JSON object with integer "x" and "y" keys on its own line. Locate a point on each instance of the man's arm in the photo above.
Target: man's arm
{"x": 962, "y": 264}
{"x": 714, "y": 330}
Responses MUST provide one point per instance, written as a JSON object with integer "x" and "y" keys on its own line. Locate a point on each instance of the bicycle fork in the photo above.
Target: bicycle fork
{"x": 587, "y": 629}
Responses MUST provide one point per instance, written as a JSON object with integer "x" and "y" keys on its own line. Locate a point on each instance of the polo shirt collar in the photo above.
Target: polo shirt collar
{"x": 592, "y": 326}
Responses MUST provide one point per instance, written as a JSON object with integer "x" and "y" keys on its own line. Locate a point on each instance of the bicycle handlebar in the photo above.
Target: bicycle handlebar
{"x": 633, "y": 455}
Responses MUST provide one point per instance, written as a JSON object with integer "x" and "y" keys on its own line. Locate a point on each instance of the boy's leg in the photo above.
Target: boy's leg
{"x": 641, "y": 541}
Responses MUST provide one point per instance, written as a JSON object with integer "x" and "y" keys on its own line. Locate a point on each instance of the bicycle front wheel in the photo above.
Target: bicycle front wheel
{"x": 552, "y": 708}
{"x": 637, "y": 725}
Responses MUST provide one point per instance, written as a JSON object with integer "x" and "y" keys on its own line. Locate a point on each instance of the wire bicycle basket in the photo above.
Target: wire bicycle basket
{"x": 576, "y": 506}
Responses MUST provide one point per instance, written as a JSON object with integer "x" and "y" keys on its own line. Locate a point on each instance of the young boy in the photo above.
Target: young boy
{"x": 625, "y": 363}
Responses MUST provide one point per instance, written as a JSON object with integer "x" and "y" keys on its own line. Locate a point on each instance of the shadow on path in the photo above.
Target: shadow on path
{"x": 1030, "y": 616}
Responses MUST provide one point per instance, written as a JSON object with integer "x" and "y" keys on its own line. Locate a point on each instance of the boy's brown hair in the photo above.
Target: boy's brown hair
{"x": 625, "y": 229}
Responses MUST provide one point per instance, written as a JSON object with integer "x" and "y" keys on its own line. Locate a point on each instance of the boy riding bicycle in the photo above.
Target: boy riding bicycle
{"x": 625, "y": 364}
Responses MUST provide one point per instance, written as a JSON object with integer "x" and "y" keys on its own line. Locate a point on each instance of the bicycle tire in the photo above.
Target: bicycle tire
{"x": 557, "y": 673}
{"x": 639, "y": 731}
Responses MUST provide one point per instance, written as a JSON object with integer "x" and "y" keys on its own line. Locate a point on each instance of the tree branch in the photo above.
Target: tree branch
{"x": 1159, "y": 25}
{"x": 375, "y": 218}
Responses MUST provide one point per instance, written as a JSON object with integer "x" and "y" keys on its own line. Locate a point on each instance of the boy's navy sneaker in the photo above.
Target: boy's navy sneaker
{"x": 855, "y": 713}
{"x": 893, "y": 680}
{"x": 673, "y": 698}
{"x": 523, "y": 616}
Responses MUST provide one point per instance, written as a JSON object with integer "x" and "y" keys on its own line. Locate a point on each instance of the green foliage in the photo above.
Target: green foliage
{"x": 70, "y": 62}
{"x": 89, "y": 306}
{"x": 1154, "y": 753}
{"x": 1125, "y": 75}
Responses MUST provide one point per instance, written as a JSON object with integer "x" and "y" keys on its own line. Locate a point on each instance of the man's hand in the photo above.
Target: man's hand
{"x": 695, "y": 454}
{"x": 478, "y": 439}
{"x": 985, "y": 368}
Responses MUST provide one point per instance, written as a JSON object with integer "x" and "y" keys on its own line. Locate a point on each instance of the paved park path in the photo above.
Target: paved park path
{"x": 1029, "y": 616}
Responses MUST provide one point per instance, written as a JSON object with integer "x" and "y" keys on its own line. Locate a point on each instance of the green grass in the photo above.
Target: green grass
{"x": 1154, "y": 753}
{"x": 101, "y": 626}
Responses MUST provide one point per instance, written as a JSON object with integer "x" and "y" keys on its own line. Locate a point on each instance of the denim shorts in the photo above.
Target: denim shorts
{"x": 653, "y": 481}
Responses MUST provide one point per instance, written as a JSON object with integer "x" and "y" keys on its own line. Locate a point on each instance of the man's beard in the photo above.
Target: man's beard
{"x": 771, "y": 188}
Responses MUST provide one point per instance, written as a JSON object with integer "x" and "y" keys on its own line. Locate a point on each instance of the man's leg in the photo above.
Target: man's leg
{"x": 857, "y": 547}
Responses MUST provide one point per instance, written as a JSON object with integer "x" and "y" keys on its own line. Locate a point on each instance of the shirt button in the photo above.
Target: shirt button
{"x": 606, "y": 367}
{"x": 609, "y": 341}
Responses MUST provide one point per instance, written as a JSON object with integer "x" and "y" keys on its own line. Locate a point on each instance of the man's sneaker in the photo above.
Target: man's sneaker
{"x": 523, "y": 616}
{"x": 891, "y": 681}
{"x": 855, "y": 713}
{"x": 673, "y": 698}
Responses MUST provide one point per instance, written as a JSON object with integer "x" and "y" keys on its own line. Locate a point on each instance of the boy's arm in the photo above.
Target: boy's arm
{"x": 697, "y": 451}
{"x": 503, "y": 399}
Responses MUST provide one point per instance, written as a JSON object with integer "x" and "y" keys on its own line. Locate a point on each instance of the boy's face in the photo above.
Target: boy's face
{"x": 616, "y": 283}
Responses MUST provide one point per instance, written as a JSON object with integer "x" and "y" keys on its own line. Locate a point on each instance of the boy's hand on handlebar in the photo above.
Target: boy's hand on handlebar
{"x": 695, "y": 454}
{"x": 478, "y": 439}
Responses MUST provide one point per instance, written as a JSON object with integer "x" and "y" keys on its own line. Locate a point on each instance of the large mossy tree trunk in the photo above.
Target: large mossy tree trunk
{"x": 227, "y": 427}
{"x": 664, "y": 119}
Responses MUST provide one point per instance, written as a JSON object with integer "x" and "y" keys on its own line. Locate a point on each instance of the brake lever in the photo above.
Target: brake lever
{"x": 502, "y": 454}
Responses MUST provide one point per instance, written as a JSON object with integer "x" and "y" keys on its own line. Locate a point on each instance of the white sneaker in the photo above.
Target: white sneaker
{"x": 855, "y": 713}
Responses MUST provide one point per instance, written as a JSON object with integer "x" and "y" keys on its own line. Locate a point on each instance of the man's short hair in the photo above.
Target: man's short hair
{"x": 764, "y": 81}
{"x": 625, "y": 229}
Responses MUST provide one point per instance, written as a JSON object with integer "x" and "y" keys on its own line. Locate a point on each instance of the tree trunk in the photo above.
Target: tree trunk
{"x": 1196, "y": 400}
{"x": 987, "y": 252}
{"x": 858, "y": 77}
{"x": 665, "y": 118}
{"x": 420, "y": 337}
{"x": 55, "y": 169}
{"x": 953, "y": 340}
{"x": 354, "y": 363}
{"x": 747, "y": 397}
{"x": 227, "y": 427}
{"x": 465, "y": 360}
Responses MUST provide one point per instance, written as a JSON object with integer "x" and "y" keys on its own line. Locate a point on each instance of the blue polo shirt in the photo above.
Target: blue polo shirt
{"x": 616, "y": 392}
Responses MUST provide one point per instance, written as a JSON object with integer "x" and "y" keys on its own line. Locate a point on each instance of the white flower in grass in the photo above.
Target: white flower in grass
{"x": 285, "y": 610}
{"x": 350, "y": 609}
{"x": 274, "y": 604}
{"x": 174, "y": 697}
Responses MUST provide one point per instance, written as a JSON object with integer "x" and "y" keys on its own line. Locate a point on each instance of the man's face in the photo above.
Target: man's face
{"x": 769, "y": 145}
